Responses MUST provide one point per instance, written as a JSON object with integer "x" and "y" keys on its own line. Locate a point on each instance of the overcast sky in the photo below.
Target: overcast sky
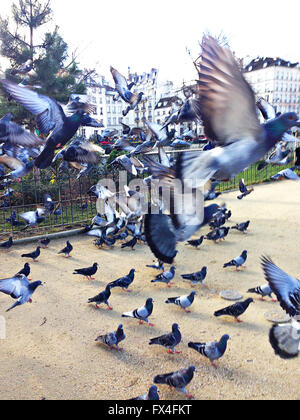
{"x": 145, "y": 34}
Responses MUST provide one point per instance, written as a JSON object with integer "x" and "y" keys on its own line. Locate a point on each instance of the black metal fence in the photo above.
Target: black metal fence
{"x": 73, "y": 206}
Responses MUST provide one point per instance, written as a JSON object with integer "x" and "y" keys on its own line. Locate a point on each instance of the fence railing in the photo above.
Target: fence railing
{"x": 73, "y": 206}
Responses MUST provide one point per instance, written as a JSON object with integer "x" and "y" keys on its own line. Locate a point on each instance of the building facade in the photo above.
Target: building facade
{"x": 277, "y": 81}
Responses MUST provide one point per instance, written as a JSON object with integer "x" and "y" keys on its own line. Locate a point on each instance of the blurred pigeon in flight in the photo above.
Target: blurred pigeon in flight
{"x": 229, "y": 117}
{"x": 18, "y": 287}
{"x": 285, "y": 339}
{"x": 285, "y": 287}
{"x": 123, "y": 89}
{"x": 244, "y": 190}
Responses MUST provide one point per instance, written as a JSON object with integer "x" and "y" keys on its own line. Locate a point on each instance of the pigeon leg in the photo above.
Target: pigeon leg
{"x": 238, "y": 320}
{"x": 262, "y": 299}
{"x": 187, "y": 311}
{"x": 35, "y": 261}
{"x": 30, "y": 300}
{"x": 109, "y": 308}
{"x": 151, "y": 325}
{"x": 141, "y": 322}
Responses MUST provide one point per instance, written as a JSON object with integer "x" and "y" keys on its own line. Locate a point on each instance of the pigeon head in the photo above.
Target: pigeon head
{"x": 34, "y": 285}
{"x": 244, "y": 254}
{"x": 149, "y": 303}
{"x": 175, "y": 327}
{"x": 204, "y": 270}
{"x": 290, "y": 119}
{"x": 209, "y": 211}
{"x": 153, "y": 392}
{"x": 225, "y": 338}
{"x": 172, "y": 269}
{"x": 95, "y": 265}
{"x": 248, "y": 301}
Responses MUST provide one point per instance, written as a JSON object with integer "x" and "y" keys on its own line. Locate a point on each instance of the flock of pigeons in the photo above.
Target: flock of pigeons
{"x": 226, "y": 105}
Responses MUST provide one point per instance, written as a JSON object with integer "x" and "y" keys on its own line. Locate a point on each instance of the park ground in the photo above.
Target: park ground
{"x": 50, "y": 350}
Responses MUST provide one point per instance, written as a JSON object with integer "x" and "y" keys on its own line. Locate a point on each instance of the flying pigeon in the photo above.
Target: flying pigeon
{"x": 165, "y": 277}
{"x": 152, "y": 394}
{"x": 285, "y": 287}
{"x": 87, "y": 272}
{"x": 170, "y": 340}
{"x": 142, "y": 314}
{"x": 113, "y": 338}
{"x": 263, "y": 291}
{"x": 183, "y": 301}
{"x": 51, "y": 120}
{"x": 123, "y": 89}
{"x": 178, "y": 380}
{"x": 213, "y": 350}
{"x": 244, "y": 190}
{"x": 102, "y": 298}
{"x": 242, "y": 227}
{"x": 286, "y": 173}
{"x": 18, "y": 287}
{"x": 16, "y": 135}
{"x": 235, "y": 310}
{"x": 123, "y": 282}
{"x": 197, "y": 277}
{"x": 34, "y": 255}
{"x": 238, "y": 262}
{"x": 227, "y": 108}
{"x": 33, "y": 218}
{"x": 196, "y": 243}
{"x": 285, "y": 339}
{"x": 67, "y": 250}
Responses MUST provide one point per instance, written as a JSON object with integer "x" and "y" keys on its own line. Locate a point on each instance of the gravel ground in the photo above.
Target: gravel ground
{"x": 50, "y": 350}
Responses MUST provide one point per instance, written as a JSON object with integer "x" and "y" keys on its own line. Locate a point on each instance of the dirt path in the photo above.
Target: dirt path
{"x": 60, "y": 359}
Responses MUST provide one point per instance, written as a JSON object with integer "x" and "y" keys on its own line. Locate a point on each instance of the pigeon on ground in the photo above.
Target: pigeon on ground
{"x": 45, "y": 242}
{"x": 131, "y": 244}
{"x": 165, "y": 277}
{"x": 196, "y": 243}
{"x": 113, "y": 338}
{"x": 25, "y": 270}
{"x": 242, "y": 227}
{"x": 285, "y": 339}
{"x": 158, "y": 266}
{"x": 183, "y": 302}
{"x": 87, "y": 272}
{"x": 102, "y": 298}
{"x": 67, "y": 250}
{"x": 170, "y": 340}
{"x": 213, "y": 350}
{"x": 285, "y": 287}
{"x": 238, "y": 261}
{"x": 217, "y": 234}
{"x": 227, "y": 108}
{"x": 152, "y": 394}
{"x": 142, "y": 314}
{"x": 263, "y": 291}
{"x": 18, "y": 287}
{"x": 123, "y": 282}
{"x": 197, "y": 277}
{"x": 235, "y": 310}
{"x": 178, "y": 380}
{"x": 8, "y": 244}
{"x": 34, "y": 255}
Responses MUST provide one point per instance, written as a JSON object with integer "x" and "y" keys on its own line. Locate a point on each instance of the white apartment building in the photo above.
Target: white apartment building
{"x": 277, "y": 81}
